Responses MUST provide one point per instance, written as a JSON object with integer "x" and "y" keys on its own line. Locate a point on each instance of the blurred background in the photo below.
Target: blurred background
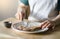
{"x": 8, "y": 8}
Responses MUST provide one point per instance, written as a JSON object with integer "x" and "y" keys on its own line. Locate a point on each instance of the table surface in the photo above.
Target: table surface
{"x": 6, "y": 33}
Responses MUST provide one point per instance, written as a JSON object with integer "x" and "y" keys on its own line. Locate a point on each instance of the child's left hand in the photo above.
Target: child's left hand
{"x": 48, "y": 24}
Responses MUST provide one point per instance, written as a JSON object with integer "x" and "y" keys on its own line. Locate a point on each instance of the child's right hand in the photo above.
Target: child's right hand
{"x": 21, "y": 11}
{"x": 19, "y": 16}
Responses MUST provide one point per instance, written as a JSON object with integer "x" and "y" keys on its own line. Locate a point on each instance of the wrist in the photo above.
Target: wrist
{"x": 52, "y": 22}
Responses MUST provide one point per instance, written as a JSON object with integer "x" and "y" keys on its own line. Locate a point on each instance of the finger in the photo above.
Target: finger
{"x": 53, "y": 27}
{"x": 40, "y": 26}
{"x": 49, "y": 25}
{"x": 45, "y": 25}
{"x": 16, "y": 14}
{"x": 19, "y": 16}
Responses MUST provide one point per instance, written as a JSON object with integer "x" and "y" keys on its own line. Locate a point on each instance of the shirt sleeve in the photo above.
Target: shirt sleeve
{"x": 25, "y": 2}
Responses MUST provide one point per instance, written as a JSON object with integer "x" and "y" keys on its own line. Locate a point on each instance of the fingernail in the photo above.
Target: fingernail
{"x": 42, "y": 27}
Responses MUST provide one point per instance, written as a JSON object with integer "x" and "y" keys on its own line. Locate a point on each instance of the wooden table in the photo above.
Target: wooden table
{"x": 6, "y": 33}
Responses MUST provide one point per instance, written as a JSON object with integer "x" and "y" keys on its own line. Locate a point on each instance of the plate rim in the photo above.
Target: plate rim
{"x": 39, "y": 31}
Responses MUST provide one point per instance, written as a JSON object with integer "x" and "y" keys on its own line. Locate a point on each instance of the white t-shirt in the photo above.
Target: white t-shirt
{"x": 40, "y": 9}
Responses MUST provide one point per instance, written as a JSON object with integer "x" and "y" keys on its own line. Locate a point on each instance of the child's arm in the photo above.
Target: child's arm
{"x": 56, "y": 19}
{"x": 51, "y": 23}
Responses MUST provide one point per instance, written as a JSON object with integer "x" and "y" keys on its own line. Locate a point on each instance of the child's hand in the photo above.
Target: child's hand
{"x": 19, "y": 16}
{"x": 48, "y": 24}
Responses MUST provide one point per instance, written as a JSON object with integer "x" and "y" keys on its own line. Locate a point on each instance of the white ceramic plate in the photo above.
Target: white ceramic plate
{"x": 14, "y": 27}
